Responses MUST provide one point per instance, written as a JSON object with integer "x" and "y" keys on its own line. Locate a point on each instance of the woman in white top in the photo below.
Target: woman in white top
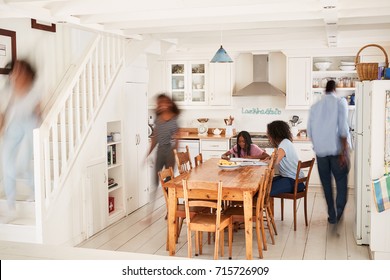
{"x": 280, "y": 137}
{"x": 20, "y": 117}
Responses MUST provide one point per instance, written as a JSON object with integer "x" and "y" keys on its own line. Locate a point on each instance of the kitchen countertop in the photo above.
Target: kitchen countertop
{"x": 192, "y": 134}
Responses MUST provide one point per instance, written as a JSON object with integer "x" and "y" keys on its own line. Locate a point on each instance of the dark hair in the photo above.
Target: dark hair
{"x": 330, "y": 86}
{"x": 25, "y": 66}
{"x": 248, "y": 141}
{"x": 277, "y": 131}
{"x": 173, "y": 107}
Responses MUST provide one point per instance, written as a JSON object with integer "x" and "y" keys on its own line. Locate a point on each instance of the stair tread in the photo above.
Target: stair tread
{"x": 20, "y": 221}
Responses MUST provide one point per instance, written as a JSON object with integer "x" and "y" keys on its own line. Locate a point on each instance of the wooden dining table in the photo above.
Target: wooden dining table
{"x": 239, "y": 184}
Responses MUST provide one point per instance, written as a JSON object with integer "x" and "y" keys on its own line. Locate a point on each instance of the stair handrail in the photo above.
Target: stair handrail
{"x": 96, "y": 73}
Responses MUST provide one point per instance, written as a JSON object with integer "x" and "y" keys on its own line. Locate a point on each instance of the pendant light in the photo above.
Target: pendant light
{"x": 221, "y": 55}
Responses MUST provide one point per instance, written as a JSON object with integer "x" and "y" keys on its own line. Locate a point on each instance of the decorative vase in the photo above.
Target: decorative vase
{"x": 294, "y": 130}
{"x": 229, "y": 130}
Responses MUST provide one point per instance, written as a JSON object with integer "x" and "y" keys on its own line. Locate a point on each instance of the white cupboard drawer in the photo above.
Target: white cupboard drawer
{"x": 214, "y": 145}
{"x": 305, "y": 151}
{"x": 212, "y": 154}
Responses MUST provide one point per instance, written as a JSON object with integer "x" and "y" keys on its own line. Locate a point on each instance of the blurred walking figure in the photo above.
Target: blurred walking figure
{"x": 328, "y": 128}
{"x": 164, "y": 131}
{"x": 19, "y": 117}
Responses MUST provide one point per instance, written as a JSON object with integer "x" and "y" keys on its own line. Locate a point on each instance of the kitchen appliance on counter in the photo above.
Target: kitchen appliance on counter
{"x": 258, "y": 138}
{"x": 202, "y": 127}
{"x": 371, "y": 227}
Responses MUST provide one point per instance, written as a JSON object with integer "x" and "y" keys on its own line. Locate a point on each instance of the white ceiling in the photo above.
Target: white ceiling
{"x": 241, "y": 25}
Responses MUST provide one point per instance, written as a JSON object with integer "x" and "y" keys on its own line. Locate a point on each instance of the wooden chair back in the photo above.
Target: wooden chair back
{"x": 183, "y": 160}
{"x": 295, "y": 195}
{"x": 165, "y": 175}
{"x": 198, "y": 159}
{"x": 273, "y": 159}
{"x": 196, "y": 194}
{"x": 302, "y": 165}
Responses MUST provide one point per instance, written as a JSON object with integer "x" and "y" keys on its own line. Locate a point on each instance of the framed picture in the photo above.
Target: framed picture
{"x": 42, "y": 26}
{"x": 7, "y": 50}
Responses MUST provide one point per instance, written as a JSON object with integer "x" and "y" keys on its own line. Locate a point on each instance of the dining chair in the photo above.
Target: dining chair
{"x": 198, "y": 160}
{"x": 307, "y": 167}
{"x": 165, "y": 175}
{"x": 183, "y": 160}
{"x": 196, "y": 194}
{"x": 237, "y": 212}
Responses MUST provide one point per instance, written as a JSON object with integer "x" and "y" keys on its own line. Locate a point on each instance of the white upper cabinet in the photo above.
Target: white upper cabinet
{"x": 188, "y": 82}
{"x": 298, "y": 94}
{"x": 221, "y": 85}
{"x": 338, "y": 68}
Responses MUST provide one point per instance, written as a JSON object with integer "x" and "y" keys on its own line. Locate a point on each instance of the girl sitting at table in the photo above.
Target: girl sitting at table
{"x": 245, "y": 148}
{"x": 280, "y": 137}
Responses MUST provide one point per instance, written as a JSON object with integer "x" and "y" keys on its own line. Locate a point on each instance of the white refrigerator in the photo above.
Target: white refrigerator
{"x": 371, "y": 228}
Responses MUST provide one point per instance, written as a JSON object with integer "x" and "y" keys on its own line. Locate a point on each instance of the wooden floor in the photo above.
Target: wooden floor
{"x": 144, "y": 231}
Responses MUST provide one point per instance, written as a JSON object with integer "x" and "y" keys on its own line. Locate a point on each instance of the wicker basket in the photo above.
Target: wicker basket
{"x": 368, "y": 71}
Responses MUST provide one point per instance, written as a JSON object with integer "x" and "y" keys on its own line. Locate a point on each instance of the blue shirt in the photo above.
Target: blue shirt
{"x": 327, "y": 124}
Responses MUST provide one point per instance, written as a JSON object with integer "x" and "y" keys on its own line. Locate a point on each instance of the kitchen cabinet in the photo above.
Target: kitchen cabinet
{"x": 305, "y": 152}
{"x": 115, "y": 182}
{"x": 221, "y": 84}
{"x": 188, "y": 82}
{"x": 298, "y": 91}
{"x": 136, "y": 145}
{"x": 213, "y": 148}
{"x": 345, "y": 80}
{"x": 96, "y": 202}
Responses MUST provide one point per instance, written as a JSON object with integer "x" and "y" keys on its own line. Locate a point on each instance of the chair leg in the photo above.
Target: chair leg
{"x": 200, "y": 242}
{"x": 258, "y": 233}
{"x": 263, "y": 232}
{"x": 230, "y": 240}
{"x": 189, "y": 242}
{"x": 305, "y": 205}
{"x": 282, "y": 208}
{"x": 216, "y": 245}
{"x": 196, "y": 243}
{"x": 222, "y": 241}
{"x": 167, "y": 246}
{"x": 295, "y": 214}
{"x": 271, "y": 215}
{"x": 180, "y": 225}
{"x": 269, "y": 227}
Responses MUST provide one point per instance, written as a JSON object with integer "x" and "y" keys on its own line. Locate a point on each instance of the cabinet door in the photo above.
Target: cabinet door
{"x": 198, "y": 81}
{"x": 305, "y": 152}
{"x": 298, "y": 83}
{"x": 135, "y": 145}
{"x": 221, "y": 85}
{"x": 96, "y": 197}
{"x": 178, "y": 82}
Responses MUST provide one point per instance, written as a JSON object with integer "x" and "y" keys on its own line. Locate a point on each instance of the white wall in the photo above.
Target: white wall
{"x": 66, "y": 223}
{"x": 244, "y": 121}
{"x": 50, "y": 52}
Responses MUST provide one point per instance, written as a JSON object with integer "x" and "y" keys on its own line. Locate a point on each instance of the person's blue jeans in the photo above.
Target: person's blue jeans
{"x": 16, "y": 158}
{"x": 282, "y": 184}
{"x": 326, "y": 167}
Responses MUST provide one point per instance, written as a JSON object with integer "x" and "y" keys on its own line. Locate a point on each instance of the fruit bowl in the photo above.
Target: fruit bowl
{"x": 322, "y": 66}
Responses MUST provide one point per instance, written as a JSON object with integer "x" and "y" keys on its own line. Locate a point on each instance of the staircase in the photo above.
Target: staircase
{"x": 61, "y": 135}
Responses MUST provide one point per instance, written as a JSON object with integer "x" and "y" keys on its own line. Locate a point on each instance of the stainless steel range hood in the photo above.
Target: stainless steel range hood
{"x": 260, "y": 84}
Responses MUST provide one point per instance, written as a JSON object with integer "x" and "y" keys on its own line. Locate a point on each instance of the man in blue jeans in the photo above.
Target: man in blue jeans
{"x": 328, "y": 128}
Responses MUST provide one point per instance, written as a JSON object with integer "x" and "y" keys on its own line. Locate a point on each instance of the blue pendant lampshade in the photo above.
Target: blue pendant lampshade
{"x": 221, "y": 56}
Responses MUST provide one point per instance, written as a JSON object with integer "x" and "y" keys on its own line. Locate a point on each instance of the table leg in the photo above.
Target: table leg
{"x": 172, "y": 226}
{"x": 248, "y": 201}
